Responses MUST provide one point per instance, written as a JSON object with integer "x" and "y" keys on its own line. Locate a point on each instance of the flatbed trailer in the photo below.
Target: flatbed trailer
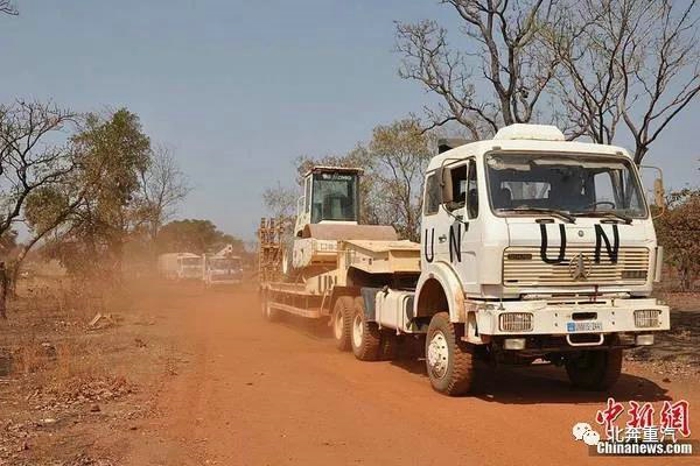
{"x": 315, "y": 297}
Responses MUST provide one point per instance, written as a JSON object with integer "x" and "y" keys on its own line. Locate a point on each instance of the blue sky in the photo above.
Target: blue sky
{"x": 239, "y": 89}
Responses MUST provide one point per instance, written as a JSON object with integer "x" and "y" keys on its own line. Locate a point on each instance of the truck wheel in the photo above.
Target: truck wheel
{"x": 594, "y": 370}
{"x": 340, "y": 320}
{"x": 271, "y": 315}
{"x": 366, "y": 337}
{"x": 449, "y": 360}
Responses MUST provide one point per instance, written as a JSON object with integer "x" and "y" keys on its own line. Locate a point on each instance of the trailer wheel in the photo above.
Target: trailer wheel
{"x": 340, "y": 321}
{"x": 366, "y": 337}
{"x": 449, "y": 360}
{"x": 594, "y": 370}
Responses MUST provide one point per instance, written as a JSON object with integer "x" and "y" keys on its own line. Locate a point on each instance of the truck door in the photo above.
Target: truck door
{"x": 433, "y": 227}
{"x": 464, "y": 232}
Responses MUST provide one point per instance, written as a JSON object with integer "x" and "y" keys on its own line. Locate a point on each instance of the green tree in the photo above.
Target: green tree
{"x": 400, "y": 153}
{"x": 678, "y": 231}
{"x": 111, "y": 151}
{"x": 195, "y": 236}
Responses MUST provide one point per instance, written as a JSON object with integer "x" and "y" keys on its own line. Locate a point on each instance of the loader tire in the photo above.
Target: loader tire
{"x": 341, "y": 322}
{"x": 594, "y": 370}
{"x": 449, "y": 360}
{"x": 366, "y": 337}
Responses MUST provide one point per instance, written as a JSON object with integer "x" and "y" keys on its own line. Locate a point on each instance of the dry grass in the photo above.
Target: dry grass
{"x": 47, "y": 339}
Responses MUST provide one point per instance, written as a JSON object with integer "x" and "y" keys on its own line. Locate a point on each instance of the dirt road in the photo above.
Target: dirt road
{"x": 253, "y": 393}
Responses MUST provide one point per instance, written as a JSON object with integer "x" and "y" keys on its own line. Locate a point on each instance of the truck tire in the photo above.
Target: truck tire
{"x": 269, "y": 314}
{"x": 594, "y": 370}
{"x": 366, "y": 337}
{"x": 449, "y": 360}
{"x": 340, "y": 322}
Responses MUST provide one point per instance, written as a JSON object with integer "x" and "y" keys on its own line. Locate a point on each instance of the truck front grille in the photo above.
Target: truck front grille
{"x": 523, "y": 266}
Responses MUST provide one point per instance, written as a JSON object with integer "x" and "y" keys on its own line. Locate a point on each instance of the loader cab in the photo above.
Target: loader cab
{"x": 331, "y": 195}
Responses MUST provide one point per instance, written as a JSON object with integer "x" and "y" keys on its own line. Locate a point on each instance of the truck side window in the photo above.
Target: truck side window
{"x": 458, "y": 181}
{"x": 472, "y": 191}
{"x": 432, "y": 195}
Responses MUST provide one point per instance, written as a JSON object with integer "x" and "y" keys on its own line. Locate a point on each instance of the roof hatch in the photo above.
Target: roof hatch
{"x": 529, "y": 132}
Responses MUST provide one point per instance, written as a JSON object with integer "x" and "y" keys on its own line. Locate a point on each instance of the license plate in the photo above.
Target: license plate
{"x": 584, "y": 327}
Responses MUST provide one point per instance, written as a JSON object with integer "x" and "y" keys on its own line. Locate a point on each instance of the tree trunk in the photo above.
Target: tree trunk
{"x": 3, "y": 291}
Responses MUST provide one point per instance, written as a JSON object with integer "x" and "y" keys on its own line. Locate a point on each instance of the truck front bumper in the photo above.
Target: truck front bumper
{"x": 615, "y": 316}
{"x": 225, "y": 282}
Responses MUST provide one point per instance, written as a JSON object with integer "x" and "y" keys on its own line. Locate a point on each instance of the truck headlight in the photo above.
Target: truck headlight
{"x": 515, "y": 322}
{"x": 646, "y": 318}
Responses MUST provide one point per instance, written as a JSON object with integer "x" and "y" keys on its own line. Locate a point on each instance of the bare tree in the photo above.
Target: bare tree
{"x": 7, "y": 7}
{"x": 30, "y": 156}
{"x": 281, "y": 201}
{"x": 503, "y": 53}
{"x": 588, "y": 42}
{"x": 631, "y": 61}
{"x": 663, "y": 75}
{"x": 163, "y": 187}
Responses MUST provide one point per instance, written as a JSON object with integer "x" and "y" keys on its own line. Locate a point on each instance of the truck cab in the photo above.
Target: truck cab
{"x": 222, "y": 270}
{"x": 330, "y": 197}
{"x": 537, "y": 247}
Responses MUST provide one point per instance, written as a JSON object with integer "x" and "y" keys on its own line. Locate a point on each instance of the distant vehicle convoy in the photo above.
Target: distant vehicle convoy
{"x": 220, "y": 269}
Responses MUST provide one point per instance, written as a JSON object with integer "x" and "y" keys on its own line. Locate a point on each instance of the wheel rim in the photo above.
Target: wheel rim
{"x": 338, "y": 325}
{"x": 438, "y": 355}
{"x": 357, "y": 331}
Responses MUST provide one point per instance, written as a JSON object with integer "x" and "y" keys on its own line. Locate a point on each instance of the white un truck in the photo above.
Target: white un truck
{"x": 532, "y": 247}
{"x": 180, "y": 266}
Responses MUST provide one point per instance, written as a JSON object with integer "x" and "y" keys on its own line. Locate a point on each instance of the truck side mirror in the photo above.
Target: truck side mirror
{"x": 659, "y": 194}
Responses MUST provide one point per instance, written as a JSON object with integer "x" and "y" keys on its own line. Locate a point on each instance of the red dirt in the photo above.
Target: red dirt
{"x": 253, "y": 393}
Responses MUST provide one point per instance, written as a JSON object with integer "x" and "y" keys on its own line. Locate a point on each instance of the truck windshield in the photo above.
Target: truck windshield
{"x": 334, "y": 197}
{"x": 191, "y": 262}
{"x": 225, "y": 264}
{"x": 573, "y": 184}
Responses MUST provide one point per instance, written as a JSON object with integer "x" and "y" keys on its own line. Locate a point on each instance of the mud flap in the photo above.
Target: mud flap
{"x": 369, "y": 297}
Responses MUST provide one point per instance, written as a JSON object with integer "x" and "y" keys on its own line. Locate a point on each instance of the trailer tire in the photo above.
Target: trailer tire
{"x": 595, "y": 370}
{"x": 366, "y": 337}
{"x": 450, "y": 362}
{"x": 341, "y": 322}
